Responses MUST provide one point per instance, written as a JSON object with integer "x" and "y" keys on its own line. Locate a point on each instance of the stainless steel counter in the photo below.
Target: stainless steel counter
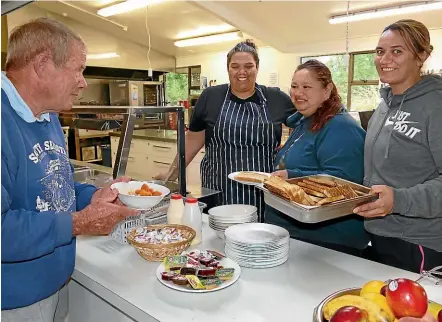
{"x": 152, "y": 134}
{"x": 86, "y": 172}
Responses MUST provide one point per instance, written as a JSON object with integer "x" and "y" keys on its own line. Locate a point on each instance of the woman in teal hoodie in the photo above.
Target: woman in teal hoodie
{"x": 325, "y": 140}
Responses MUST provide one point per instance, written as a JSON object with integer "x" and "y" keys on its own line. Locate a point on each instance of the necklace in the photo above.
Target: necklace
{"x": 281, "y": 163}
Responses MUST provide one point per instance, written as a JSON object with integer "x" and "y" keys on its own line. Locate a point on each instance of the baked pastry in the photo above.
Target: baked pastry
{"x": 279, "y": 187}
{"x": 288, "y": 191}
{"x": 315, "y": 186}
{"x": 330, "y": 200}
{"x": 344, "y": 190}
{"x": 251, "y": 177}
{"x": 323, "y": 181}
{"x": 312, "y": 190}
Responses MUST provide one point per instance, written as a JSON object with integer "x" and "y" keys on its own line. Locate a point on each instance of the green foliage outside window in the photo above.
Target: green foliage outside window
{"x": 363, "y": 97}
{"x": 177, "y": 87}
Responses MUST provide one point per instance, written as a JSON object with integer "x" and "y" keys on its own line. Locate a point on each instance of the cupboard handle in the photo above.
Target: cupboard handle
{"x": 161, "y": 147}
{"x": 165, "y": 163}
{"x": 131, "y": 158}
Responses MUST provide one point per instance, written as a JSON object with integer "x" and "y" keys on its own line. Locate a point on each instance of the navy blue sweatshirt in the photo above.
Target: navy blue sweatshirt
{"x": 38, "y": 196}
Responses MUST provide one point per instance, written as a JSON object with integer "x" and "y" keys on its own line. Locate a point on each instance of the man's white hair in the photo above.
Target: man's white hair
{"x": 37, "y": 36}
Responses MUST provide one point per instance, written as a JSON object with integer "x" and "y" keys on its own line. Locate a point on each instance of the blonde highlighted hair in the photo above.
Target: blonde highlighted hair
{"x": 37, "y": 36}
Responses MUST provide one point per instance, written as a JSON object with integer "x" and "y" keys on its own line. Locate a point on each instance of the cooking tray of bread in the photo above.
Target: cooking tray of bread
{"x": 313, "y": 199}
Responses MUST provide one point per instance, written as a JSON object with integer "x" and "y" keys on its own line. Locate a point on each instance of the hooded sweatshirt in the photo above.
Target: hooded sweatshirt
{"x": 403, "y": 150}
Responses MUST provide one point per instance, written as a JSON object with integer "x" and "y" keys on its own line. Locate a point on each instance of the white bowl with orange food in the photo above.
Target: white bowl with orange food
{"x": 140, "y": 194}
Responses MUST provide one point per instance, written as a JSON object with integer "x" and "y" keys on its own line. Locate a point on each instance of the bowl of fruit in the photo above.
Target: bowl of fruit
{"x": 139, "y": 194}
{"x": 378, "y": 301}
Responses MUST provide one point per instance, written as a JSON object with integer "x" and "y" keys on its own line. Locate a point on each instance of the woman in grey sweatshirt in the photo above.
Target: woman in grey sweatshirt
{"x": 403, "y": 154}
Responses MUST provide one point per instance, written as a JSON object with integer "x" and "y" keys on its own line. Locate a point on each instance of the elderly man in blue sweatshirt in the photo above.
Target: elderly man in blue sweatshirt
{"x": 43, "y": 209}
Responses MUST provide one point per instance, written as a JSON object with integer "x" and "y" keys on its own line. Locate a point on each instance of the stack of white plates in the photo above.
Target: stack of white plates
{"x": 257, "y": 245}
{"x": 222, "y": 217}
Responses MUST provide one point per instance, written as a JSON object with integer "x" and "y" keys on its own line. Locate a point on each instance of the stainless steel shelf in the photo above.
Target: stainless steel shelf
{"x": 92, "y": 109}
{"x": 129, "y": 114}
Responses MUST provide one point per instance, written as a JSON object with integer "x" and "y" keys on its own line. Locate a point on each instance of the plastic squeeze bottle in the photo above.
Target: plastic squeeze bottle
{"x": 175, "y": 210}
{"x": 193, "y": 218}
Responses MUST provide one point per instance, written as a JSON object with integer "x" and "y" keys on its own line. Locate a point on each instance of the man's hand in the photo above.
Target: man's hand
{"x": 99, "y": 218}
{"x": 282, "y": 174}
{"x": 379, "y": 208}
{"x": 107, "y": 194}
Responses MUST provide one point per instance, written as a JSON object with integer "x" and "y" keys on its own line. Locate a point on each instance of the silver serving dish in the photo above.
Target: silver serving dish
{"x": 317, "y": 312}
{"x": 315, "y": 214}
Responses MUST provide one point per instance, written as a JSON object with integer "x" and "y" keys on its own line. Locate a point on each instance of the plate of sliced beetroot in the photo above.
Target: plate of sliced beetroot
{"x": 198, "y": 271}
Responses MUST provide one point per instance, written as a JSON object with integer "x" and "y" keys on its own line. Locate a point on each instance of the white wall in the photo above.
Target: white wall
{"x": 132, "y": 55}
{"x": 214, "y": 65}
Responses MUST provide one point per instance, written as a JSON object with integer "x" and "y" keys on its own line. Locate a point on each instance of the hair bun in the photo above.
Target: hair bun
{"x": 251, "y": 43}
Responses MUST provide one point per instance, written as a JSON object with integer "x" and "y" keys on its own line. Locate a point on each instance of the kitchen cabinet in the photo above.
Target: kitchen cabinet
{"x": 147, "y": 158}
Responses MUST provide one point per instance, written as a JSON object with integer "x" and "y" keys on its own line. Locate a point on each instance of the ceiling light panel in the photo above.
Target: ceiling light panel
{"x": 208, "y": 39}
{"x": 387, "y": 12}
{"x": 204, "y": 30}
{"x": 102, "y": 56}
{"x": 126, "y": 6}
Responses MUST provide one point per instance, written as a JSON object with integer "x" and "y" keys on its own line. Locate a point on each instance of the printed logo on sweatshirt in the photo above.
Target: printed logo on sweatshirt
{"x": 39, "y": 153}
{"x": 58, "y": 192}
{"x": 402, "y": 125}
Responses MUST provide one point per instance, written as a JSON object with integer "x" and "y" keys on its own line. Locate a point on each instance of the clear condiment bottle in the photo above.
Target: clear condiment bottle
{"x": 175, "y": 210}
{"x": 193, "y": 218}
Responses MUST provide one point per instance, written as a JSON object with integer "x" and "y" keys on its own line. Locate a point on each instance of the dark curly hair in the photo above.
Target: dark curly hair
{"x": 330, "y": 107}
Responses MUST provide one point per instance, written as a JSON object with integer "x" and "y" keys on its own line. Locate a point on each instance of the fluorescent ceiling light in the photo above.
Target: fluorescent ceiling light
{"x": 125, "y": 6}
{"x": 387, "y": 12}
{"x": 204, "y": 30}
{"x": 105, "y": 2}
{"x": 208, "y": 39}
{"x": 102, "y": 56}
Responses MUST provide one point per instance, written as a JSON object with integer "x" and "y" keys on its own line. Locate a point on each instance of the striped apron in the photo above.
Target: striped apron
{"x": 243, "y": 140}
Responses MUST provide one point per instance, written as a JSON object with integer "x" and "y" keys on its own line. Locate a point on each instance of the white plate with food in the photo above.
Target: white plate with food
{"x": 251, "y": 178}
{"x": 198, "y": 272}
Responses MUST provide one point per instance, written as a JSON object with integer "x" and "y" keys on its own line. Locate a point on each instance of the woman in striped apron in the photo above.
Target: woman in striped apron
{"x": 240, "y": 125}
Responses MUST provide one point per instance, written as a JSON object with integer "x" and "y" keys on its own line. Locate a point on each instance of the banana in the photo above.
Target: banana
{"x": 380, "y": 300}
{"x": 434, "y": 309}
{"x": 375, "y": 312}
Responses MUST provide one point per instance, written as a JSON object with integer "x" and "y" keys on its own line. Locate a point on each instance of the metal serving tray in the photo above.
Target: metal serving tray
{"x": 315, "y": 214}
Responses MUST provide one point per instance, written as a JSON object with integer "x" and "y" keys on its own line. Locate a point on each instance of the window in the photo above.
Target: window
{"x": 177, "y": 88}
{"x": 336, "y": 64}
{"x": 358, "y": 84}
{"x": 181, "y": 84}
{"x": 363, "y": 82}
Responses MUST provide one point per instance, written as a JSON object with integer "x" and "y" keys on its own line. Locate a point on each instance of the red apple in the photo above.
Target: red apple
{"x": 406, "y": 298}
{"x": 439, "y": 316}
{"x": 350, "y": 314}
{"x": 384, "y": 290}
